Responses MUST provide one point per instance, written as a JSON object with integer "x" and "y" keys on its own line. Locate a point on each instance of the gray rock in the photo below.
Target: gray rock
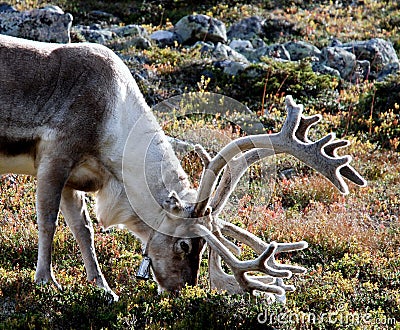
{"x": 323, "y": 69}
{"x": 131, "y": 30}
{"x": 247, "y": 28}
{"x": 134, "y": 35}
{"x": 240, "y": 45}
{"x": 223, "y": 52}
{"x": 164, "y": 38}
{"x": 380, "y": 53}
{"x": 5, "y": 7}
{"x": 50, "y": 25}
{"x": 254, "y": 55}
{"x": 95, "y": 33}
{"x": 54, "y": 9}
{"x": 140, "y": 43}
{"x": 339, "y": 59}
{"x": 277, "y": 51}
{"x": 205, "y": 48}
{"x": 102, "y": 15}
{"x": 194, "y": 28}
{"x": 388, "y": 69}
{"x": 258, "y": 43}
{"x": 299, "y": 50}
{"x": 335, "y": 42}
{"x": 232, "y": 68}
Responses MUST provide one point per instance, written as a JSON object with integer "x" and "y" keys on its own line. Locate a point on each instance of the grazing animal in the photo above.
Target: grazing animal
{"x": 66, "y": 114}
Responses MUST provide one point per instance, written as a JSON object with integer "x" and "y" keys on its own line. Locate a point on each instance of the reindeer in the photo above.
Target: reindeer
{"x": 73, "y": 116}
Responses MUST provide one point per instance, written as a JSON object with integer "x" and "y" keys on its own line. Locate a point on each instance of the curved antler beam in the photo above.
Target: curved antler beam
{"x": 292, "y": 139}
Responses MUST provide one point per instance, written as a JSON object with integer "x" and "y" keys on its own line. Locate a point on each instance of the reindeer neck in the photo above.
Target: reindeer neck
{"x": 150, "y": 168}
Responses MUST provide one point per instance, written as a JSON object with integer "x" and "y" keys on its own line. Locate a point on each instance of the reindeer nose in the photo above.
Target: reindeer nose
{"x": 190, "y": 278}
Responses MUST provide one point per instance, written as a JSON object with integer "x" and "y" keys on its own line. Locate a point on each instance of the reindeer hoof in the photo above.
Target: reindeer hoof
{"x": 42, "y": 280}
{"x": 113, "y": 296}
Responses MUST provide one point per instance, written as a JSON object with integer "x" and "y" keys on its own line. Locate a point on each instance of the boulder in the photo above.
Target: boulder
{"x": 258, "y": 43}
{"x": 49, "y": 24}
{"x": 240, "y": 45}
{"x": 247, "y": 28}
{"x": 102, "y": 16}
{"x": 299, "y": 50}
{"x": 134, "y": 35}
{"x": 164, "y": 38}
{"x": 323, "y": 69}
{"x": 5, "y": 7}
{"x": 194, "y": 28}
{"x": 223, "y": 52}
{"x": 339, "y": 59}
{"x": 131, "y": 30}
{"x": 253, "y": 54}
{"x": 380, "y": 54}
{"x": 277, "y": 51}
{"x": 139, "y": 43}
{"x": 95, "y": 33}
{"x": 232, "y": 68}
{"x": 388, "y": 69}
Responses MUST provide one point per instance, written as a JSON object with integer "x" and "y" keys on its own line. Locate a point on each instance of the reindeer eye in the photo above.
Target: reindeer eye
{"x": 183, "y": 246}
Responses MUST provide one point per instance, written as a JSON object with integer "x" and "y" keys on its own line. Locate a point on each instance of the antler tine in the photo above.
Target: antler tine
{"x": 304, "y": 126}
{"x": 240, "y": 267}
{"x": 237, "y": 166}
{"x": 351, "y": 174}
{"x": 311, "y": 153}
{"x": 259, "y": 245}
{"x": 347, "y": 171}
{"x": 223, "y": 281}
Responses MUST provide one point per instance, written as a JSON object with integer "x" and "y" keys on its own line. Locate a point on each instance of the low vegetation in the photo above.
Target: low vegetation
{"x": 353, "y": 259}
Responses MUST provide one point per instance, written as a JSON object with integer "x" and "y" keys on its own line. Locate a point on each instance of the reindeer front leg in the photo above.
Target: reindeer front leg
{"x": 74, "y": 209}
{"x": 51, "y": 177}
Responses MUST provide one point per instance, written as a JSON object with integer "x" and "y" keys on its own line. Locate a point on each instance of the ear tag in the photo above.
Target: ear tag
{"x": 143, "y": 272}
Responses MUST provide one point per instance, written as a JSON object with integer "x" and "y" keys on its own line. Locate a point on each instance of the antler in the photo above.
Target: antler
{"x": 235, "y": 158}
{"x": 265, "y": 263}
{"x": 292, "y": 139}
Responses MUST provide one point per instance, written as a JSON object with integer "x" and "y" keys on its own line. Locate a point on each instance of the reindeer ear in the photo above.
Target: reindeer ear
{"x": 173, "y": 203}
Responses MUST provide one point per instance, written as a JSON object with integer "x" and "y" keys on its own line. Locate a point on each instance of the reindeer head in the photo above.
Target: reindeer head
{"x": 174, "y": 250}
{"x": 176, "y": 244}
